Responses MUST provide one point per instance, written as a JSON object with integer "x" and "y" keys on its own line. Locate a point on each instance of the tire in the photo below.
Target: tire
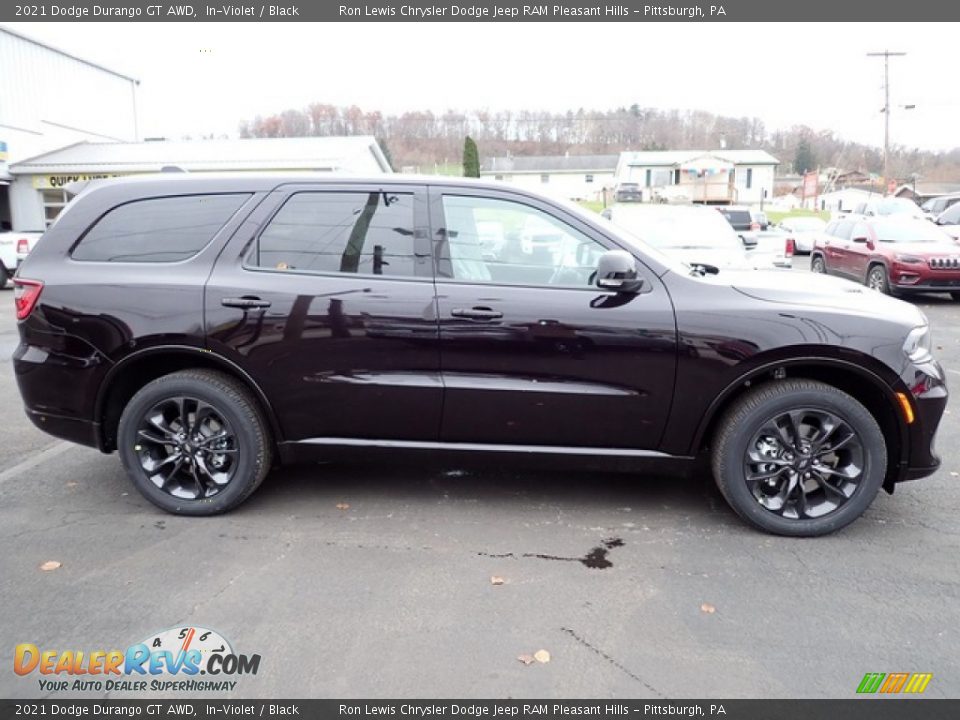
{"x": 877, "y": 279}
{"x": 217, "y": 473}
{"x": 4, "y": 277}
{"x": 955, "y": 296}
{"x": 740, "y": 436}
{"x": 818, "y": 265}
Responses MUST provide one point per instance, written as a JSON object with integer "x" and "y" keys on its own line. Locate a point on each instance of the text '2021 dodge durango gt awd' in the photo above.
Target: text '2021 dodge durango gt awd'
{"x": 207, "y": 328}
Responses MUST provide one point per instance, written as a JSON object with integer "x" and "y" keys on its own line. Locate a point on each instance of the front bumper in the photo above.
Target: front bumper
{"x": 927, "y": 387}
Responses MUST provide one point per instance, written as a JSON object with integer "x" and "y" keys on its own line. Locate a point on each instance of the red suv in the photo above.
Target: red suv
{"x": 891, "y": 254}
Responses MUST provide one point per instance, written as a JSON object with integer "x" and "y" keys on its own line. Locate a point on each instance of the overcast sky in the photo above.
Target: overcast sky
{"x": 199, "y": 78}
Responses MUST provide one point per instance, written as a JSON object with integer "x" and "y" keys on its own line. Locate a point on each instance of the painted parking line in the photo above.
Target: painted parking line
{"x": 38, "y": 459}
{"x": 956, "y": 372}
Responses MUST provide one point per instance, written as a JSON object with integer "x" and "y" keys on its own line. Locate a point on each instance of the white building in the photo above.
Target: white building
{"x": 37, "y": 181}
{"x": 707, "y": 176}
{"x": 843, "y": 200}
{"x": 48, "y": 99}
{"x": 575, "y": 177}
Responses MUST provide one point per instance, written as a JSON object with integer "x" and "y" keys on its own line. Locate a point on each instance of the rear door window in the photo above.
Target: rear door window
{"x": 154, "y": 230}
{"x": 365, "y": 233}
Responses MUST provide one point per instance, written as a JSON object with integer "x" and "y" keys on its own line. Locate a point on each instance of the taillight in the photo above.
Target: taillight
{"x": 25, "y": 296}
{"x": 790, "y": 247}
{"x": 23, "y": 246}
{"x": 754, "y": 226}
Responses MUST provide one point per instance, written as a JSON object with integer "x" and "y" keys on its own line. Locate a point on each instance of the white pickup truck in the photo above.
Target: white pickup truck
{"x": 14, "y": 247}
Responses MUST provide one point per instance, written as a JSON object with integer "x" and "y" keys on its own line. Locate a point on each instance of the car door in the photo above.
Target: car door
{"x": 325, "y": 298}
{"x": 859, "y": 250}
{"x": 532, "y": 353}
{"x": 836, "y": 248}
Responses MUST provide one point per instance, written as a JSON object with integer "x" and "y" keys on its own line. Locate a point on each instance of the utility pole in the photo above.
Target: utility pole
{"x": 886, "y": 55}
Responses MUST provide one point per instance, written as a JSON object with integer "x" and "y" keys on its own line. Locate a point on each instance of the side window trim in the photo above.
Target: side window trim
{"x": 279, "y": 197}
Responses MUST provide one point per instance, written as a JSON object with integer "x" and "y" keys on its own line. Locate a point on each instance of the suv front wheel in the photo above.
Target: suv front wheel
{"x": 194, "y": 442}
{"x": 799, "y": 457}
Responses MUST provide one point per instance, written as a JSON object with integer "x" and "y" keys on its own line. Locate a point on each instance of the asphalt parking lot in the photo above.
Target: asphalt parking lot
{"x": 375, "y": 581}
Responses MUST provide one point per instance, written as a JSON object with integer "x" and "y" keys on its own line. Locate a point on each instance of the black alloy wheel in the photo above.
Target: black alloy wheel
{"x": 187, "y": 448}
{"x": 803, "y": 463}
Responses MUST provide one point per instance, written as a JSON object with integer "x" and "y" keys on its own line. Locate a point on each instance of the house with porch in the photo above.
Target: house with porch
{"x": 713, "y": 177}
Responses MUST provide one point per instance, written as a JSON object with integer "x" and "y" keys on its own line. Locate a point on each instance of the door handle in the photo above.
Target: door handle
{"x": 477, "y": 313}
{"x": 245, "y": 303}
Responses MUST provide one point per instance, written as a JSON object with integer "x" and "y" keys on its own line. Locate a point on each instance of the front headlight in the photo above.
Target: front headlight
{"x": 910, "y": 259}
{"x": 918, "y": 344}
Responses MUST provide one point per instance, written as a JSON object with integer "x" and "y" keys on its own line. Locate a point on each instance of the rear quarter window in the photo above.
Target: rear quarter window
{"x": 155, "y": 230}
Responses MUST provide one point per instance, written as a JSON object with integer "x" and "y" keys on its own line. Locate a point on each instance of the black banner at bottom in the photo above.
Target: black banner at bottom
{"x": 872, "y": 708}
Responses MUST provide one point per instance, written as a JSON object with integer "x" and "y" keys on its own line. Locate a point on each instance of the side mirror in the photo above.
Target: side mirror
{"x": 617, "y": 271}
{"x": 749, "y": 241}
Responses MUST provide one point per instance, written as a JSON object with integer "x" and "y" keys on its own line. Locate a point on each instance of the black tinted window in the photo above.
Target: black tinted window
{"x": 157, "y": 230}
{"x": 341, "y": 232}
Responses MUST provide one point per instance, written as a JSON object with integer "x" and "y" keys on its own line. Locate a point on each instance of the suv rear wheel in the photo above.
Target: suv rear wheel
{"x": 799, "y": 457}
{"x": 194, "y": 442}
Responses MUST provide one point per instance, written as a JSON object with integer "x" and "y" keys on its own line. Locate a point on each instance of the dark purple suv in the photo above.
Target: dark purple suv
{"x": 209, "y": 328}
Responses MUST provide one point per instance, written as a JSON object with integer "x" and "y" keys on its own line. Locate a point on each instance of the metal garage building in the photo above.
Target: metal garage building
{"x": 48, "y": 99}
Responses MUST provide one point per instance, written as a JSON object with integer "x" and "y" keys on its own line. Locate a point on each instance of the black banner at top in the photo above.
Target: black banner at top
{"x": 481, "y": 11}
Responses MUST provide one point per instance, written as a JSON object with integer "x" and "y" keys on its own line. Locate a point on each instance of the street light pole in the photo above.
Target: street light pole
{"x": 886, "y": 55}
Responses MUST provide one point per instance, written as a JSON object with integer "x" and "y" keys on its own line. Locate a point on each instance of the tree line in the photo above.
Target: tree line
{"x": 424, "y": 140}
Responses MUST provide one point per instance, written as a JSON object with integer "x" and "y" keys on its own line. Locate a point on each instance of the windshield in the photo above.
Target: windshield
{"x": 899, "y": 206}
{"x": 686, "y": 230}
{"x": 893, "y": 231}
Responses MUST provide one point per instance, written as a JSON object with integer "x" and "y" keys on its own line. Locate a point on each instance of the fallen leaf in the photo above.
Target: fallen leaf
{"x": 541, "y": 656}
{"x": 50, "y": 565}
{"x": 71, "y": 484}
{"x": 708, "y": 608}
{"x": 525, "y": 659}
{"x": 343, "y": 506}
{"x": 496, "y": 580}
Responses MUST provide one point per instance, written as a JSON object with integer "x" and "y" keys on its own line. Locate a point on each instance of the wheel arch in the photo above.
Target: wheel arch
{"x": 857, "y": 380}
{"x": 139, "y": 368}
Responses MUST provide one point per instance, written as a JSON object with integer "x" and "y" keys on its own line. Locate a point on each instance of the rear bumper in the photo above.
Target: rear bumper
{"x": 59, "y": 391}
{"x": 82, "y": 432}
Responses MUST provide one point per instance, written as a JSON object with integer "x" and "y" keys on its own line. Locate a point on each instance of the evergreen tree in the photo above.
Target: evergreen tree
{"x": 804, "y": 160}
{"x": 471, "y": 158}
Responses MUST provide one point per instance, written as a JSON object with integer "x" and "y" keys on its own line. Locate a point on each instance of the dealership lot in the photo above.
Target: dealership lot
{"x": 359, "y": 581}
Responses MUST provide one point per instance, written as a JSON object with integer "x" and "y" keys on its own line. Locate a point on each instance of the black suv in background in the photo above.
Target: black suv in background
{"x": 208, "y": 328}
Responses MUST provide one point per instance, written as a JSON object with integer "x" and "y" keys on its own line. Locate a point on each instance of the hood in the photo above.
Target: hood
{"x": 926, "y": 248}
{"x": 824, "y": 291}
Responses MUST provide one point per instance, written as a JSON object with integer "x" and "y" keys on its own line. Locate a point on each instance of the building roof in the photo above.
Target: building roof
{"x": 930, "y": 189}
{"x": 550, "y": 163}
{"x": 312, "y": 153}
{"x": 659, "y": 158}
{"x": 27, "y": 38}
